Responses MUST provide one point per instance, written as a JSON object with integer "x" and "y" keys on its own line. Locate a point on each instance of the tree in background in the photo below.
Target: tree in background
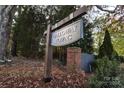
{"x": 87, "y": 41}
{"x": 28, "y": 29}
{"x": 31, "y": 24}
{"x": 58, "y": 13}
{"x": 106, "y": 49}
{"x": 6, "y": 16}
{"x": 115, "y": 29}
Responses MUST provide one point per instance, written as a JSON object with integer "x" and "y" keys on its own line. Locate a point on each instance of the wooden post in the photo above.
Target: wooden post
{"x": 48, "y": 56}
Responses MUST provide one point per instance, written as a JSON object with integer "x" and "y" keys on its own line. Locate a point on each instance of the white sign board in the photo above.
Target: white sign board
{"x": 68, "y": 34}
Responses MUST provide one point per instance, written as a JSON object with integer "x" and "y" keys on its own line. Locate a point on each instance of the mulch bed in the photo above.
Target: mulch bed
{"x": 25, "y": 73}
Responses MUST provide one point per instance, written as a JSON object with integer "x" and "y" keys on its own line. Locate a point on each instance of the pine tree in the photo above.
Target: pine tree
{"x": 28, "y": 29}
{"x": 106, "y": 49}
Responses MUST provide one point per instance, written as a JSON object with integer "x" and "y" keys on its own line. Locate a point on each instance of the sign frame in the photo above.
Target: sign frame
{"x": 74, "y": 30}
{"x": 48, "y": 56}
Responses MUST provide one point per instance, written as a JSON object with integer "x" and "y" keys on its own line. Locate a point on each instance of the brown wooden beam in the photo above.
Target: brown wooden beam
{"x": 48, "y": 56}
{"x": 72, "y": 16}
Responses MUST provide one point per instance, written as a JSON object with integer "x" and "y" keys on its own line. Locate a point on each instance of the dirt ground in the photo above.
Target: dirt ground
{"x": 28, "y": 73}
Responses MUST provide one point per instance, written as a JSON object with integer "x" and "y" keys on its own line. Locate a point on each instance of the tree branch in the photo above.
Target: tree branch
{"x": 109, "y": 11}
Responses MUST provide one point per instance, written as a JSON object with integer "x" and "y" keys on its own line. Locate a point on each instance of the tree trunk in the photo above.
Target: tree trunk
{"x": 14, "y": 48}
{"x": 6, "y": 14}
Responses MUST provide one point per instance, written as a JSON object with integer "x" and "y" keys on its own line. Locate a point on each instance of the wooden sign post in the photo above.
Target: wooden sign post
{"x": 66, "y": 31}
{"x": 48, "y": 56}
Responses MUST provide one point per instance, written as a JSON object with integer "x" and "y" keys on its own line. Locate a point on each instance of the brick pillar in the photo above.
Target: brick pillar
{"x": 73, "y": 58}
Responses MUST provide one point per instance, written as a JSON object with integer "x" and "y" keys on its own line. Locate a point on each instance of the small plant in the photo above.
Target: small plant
{"x": 106, "y": 74}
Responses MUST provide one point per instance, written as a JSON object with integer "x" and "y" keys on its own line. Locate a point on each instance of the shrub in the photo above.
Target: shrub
{"x": 106, "y": 74}
{"x": 106, "y": 49}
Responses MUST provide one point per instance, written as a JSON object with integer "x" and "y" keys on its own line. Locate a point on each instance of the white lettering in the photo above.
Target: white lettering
{"x": 67, "y": 34}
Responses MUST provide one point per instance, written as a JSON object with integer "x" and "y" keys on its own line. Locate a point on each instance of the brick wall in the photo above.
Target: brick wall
{"x": 73, "y": 58}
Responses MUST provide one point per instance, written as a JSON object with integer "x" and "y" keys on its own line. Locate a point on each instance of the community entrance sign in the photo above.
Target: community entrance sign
{"x": 67, "y": 34}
